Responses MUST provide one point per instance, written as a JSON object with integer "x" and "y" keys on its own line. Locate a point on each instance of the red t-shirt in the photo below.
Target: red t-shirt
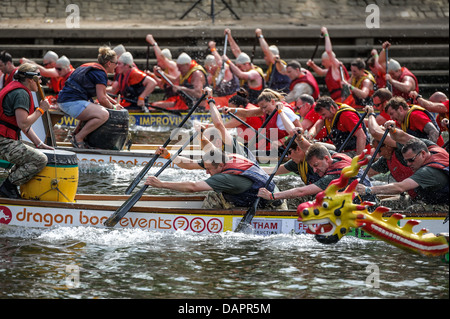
{"x": 347, "y": 121}
{"x": 417, "y": 122}
{"x": 313, "y": 116}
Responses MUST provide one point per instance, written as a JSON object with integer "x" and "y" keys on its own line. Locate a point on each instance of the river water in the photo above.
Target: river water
{"x": 85, "y": 263}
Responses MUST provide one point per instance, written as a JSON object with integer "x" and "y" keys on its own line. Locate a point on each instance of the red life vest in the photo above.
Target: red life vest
{"x": 334, "y": 86}
{"x": 308, "y": 78}
{"x": 337, "y": 166}
{"x": 239, "y": 165}
{"x": 8, "y": 124}
{"x": 8, "y": 78}
{"x": 398, "y": 170}
{"x": 405, "y": 72}
{"x": 63, "y": 79}
{"x": 439, "y": 158}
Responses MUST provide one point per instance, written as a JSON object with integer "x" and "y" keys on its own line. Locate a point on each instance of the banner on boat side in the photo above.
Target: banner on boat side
{"x": 86, "y": 158}
{"x": 150, "y": 119}
{"x": 43, "y": 217}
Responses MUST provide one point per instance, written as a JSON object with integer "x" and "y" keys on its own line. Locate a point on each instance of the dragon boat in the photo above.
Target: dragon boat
{"x": 165, "y": 214}
{"x": 333, "y": 215}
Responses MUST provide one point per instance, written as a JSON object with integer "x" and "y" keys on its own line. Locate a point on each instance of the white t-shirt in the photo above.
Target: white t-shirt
{"x": 290, "y": 115}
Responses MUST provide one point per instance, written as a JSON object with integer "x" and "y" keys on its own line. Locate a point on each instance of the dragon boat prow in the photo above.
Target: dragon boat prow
{"x": 332, "y": 214}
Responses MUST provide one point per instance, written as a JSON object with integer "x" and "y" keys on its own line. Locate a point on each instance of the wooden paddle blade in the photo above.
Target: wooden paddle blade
{"x": 123, "y": 210}
{"x": 141, "y": 175}
{"x": 244, "y": 224}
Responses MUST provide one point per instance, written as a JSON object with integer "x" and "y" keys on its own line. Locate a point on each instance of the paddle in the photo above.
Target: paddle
{"x": 345, "y": 92}
{"x": 317, "y": 46}
{"x": 372, "y": 159}
{"x": 155, "y": 157}
{"x": 222, "y": 70}
{"x": 388, "y": 85}
{"x": 130, "y": 202}
{"x": 352, "y": 132}
{"x": 175, "y": 112}
{"x": 50, "y": 133}
{"x": 189, "y": 99}
{"x": 246, "y": 220}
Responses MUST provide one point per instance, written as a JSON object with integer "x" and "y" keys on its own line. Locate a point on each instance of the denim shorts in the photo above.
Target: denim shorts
{"x": 74, "y": 108}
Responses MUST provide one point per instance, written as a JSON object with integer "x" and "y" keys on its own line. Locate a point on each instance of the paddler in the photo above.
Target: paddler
{"x": 17, "y": 114}
{"x": 430, "y": 165}
{"x": 327, "y": 165}
{"x": 188, "y": 86}
{"x": 275, "y": 77}
{"x": 361, "y": 84}
{"x": 274, "y": 130}
{"x": 251, "y": 76}
{"x": 302, "y": 82}
{"x": 339, "y": 120}
{"x": 132, "y": 84}
{"x": 234, "y": 182}
{"x": 224, "y": 82}
{"x": 414, "y": 120}
{"x": 333, "y": 70}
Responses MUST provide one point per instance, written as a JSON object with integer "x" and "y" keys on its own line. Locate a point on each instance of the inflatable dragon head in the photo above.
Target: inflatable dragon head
{"x": 332, "y": 214}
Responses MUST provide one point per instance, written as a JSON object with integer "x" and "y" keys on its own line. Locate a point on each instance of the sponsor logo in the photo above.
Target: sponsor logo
{"x": 5, "y": 215}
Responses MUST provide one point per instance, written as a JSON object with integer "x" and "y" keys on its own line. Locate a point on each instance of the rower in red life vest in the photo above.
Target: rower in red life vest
{"x": 132, "y": 84}
{"x": 234, "y": 182}
{"x": 274, "y": 130}
{"x": 17, "y": 114}
{"x": 403, "y": 80}
{"x": 437, "y": 103}
{"x": 430, "y": 165}
{"x": 414, "y": 120}
{"x": 304, "y": 107}
{"x": 362, "y": 85}
{"x": 188, "y": 86}
{"x": 331, "y": 69}
{"x": 339, "y": 120}
{"x": 7, "y": 68}
{"x": 380, "y": 99}
{"x": 302, "y": 82}
{"x": 378, "y": 70}
{"x": 327, "y": 165}
{"x": 49, "y": 72}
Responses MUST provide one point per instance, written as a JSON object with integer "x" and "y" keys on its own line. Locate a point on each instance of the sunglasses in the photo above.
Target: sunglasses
{"x": 29, "y": 74}
{"x": 411, "y": 160}
{"x": 58, "y": 69}
{"x": 378, "y": 104}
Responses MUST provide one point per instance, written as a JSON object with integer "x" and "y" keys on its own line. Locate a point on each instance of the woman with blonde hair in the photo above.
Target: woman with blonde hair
{"x": 269, "y": 101}
{"x": 86, "y": 82}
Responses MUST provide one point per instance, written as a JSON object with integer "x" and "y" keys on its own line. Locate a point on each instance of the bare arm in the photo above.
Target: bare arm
{"x": 233, "y": 45}
{"x": 188, "y": 187}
